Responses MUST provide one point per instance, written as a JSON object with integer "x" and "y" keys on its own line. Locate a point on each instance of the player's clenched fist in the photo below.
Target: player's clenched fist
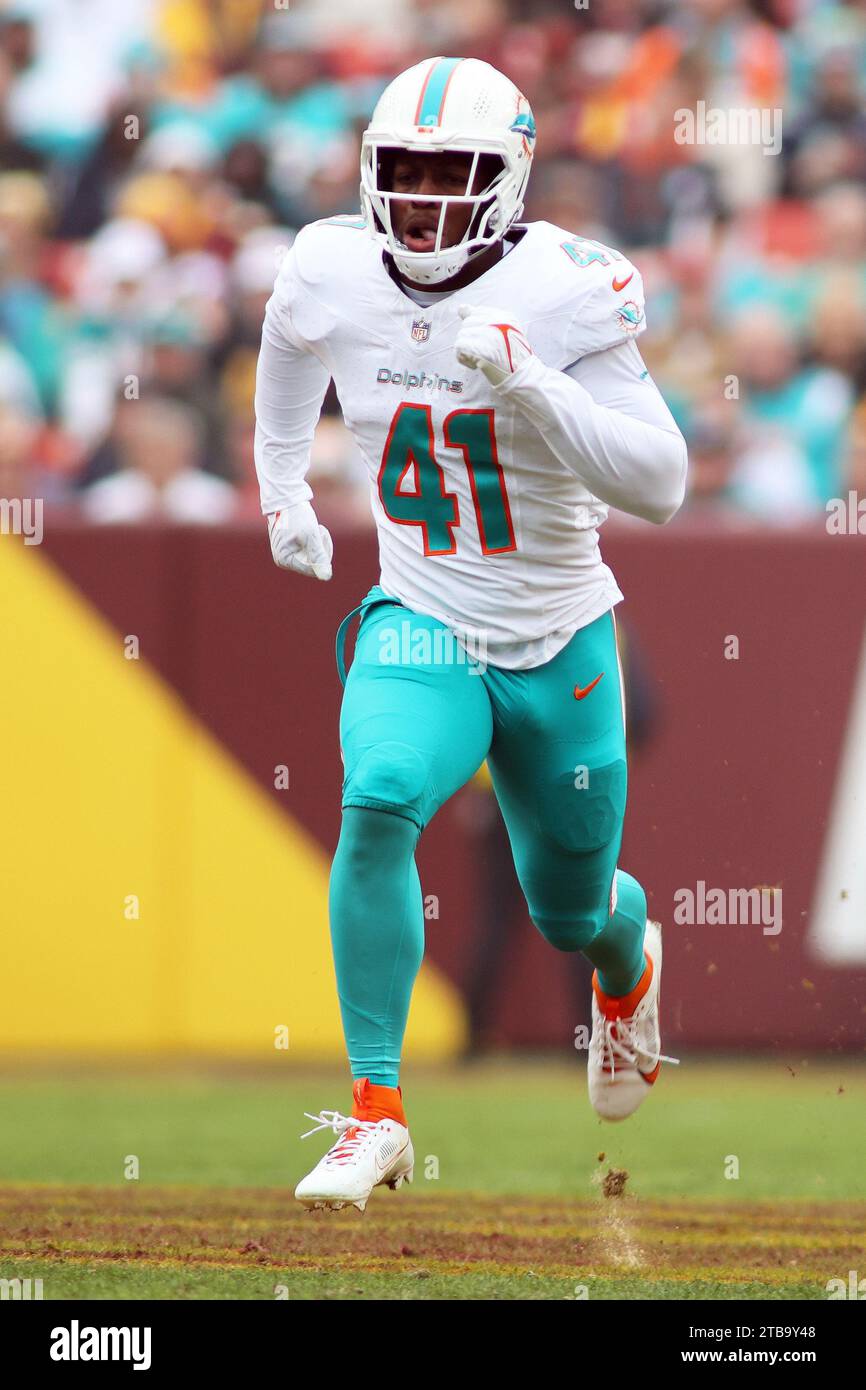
{"x": 492, "y": 340}
{"x": 299, "y": 543}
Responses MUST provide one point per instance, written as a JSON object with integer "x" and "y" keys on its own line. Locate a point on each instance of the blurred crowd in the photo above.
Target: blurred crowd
{"x": 157, "y": 156}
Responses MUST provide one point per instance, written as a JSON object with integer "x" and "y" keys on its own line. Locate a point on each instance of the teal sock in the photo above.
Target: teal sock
{"x": 617, "y": 951}
{"x": 377, "y": 934}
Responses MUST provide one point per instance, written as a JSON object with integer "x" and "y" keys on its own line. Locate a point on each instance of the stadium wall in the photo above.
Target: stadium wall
{"x": 158, "y": 680}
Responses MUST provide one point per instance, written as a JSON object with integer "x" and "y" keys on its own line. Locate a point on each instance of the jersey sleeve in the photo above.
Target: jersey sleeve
{"x": 291, "y": 383}
{"x": 605, "y": 294}
{"x": 627, "y": 451}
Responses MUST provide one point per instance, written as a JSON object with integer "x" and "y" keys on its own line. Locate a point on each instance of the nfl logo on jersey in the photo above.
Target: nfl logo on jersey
{"x": 420, "y": 331}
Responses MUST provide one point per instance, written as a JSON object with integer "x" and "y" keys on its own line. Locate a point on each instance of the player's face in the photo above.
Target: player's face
{"x": 416, "y": 222}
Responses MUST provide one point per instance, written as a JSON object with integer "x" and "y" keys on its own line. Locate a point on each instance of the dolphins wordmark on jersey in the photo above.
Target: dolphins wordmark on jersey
{"x": 479, "y": 523}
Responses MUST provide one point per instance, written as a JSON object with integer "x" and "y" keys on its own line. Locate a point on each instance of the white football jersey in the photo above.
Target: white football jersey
{"x": 479, "y": 523}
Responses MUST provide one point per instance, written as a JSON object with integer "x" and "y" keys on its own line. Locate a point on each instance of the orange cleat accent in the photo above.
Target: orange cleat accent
{"x": 615, "y": 1006}
{"x": 377, "y": 1102}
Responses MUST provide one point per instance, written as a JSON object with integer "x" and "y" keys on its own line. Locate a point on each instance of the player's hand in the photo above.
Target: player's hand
{"x": 493, "y": 340}
{"x": 299, "y": 543}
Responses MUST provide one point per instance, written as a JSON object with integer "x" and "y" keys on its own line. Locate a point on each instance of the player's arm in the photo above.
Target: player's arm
{"x": 290, "y": 387}
{"x": 630, "y": 434}
{"x": 602, "y": 417}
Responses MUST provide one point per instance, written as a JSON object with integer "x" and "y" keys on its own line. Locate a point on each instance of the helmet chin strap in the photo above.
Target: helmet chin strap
{"x": 448, "y": 262}
{"x": 440, "y": 268}
{"x": 438, "y": 272}
{"x": 412, "y": 272}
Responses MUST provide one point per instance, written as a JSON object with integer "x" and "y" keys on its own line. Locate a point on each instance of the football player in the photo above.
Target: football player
{"x": 489, "y": 373}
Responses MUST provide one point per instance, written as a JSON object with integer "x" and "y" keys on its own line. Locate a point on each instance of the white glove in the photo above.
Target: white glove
{"x": 492, "y": 340}
{"x": 299, "y": 543}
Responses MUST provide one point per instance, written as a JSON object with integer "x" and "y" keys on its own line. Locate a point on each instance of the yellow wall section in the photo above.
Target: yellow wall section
{"x": 112, "y": 788}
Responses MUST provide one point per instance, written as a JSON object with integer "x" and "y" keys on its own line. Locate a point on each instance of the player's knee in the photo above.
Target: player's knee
{"x": 373, "y": 841}
{"x": 391, "y": 775}
{"x": 584, "y": 810}
{"x": 573, "y": 932}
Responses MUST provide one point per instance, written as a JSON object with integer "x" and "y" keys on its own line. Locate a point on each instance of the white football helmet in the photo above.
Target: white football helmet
{"x": 454, "y": 105}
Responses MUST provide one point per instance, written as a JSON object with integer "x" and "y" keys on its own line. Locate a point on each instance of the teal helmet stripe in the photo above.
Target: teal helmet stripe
{"x": 431, "y": 102}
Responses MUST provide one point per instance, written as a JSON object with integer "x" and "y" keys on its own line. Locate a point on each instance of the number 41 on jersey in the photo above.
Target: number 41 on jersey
{"x": 411, "y": 447}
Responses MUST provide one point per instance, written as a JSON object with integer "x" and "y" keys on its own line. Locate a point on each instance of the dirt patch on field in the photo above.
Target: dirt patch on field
{"x": 614, "y": 1182}
{"x": 232, "y": 1229}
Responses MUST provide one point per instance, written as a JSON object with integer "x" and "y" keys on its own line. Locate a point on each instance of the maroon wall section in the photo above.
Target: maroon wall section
{"x": 734, "y": 789}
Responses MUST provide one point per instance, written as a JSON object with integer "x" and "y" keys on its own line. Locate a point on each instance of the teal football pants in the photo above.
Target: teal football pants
{"x": 418, "y": 719}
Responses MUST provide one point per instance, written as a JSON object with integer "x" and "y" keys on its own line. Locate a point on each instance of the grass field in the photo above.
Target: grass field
{"x": 509, "y": 1194}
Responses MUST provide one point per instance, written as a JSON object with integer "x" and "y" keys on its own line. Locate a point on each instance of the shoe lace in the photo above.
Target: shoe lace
{"x": 355, "y": 1133}
{"x": 620, "y": 1044}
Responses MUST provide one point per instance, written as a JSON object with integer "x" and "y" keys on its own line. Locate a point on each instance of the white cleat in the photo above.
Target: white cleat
{"x": 366, "y": 1155}
{"x": 625, "y": 1053}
